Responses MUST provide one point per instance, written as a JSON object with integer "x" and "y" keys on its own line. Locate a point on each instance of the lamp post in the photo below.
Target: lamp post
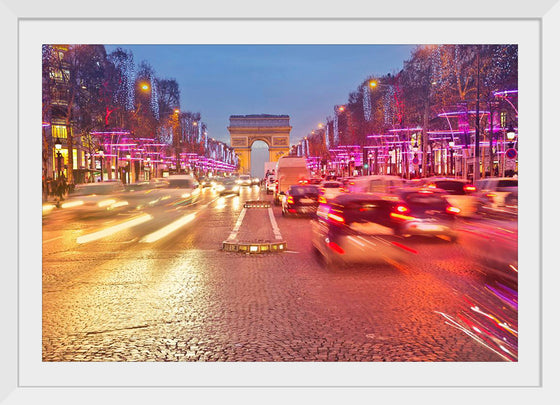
{"x": 149, "y": 168}
{"x": 451, "y": 145}
{"x": 351, "y": 166}
{"x": 370, "y": 156}
{"x": 101, "y": 154}
{"x": 510, "y": 134}
{"x": 58, "y": 147}
{"x": 342, "y": 164}
{"x": 128, "y": 168}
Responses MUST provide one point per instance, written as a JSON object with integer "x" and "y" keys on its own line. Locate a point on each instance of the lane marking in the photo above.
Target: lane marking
{"x": 114, "y": 229}
{"x": 235, "y": 230}
{"x": 275, "y": 228}
{"x": 166, "y": 230}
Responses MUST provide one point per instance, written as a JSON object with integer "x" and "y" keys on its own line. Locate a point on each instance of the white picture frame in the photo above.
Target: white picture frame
{"x": 13, "y": 14}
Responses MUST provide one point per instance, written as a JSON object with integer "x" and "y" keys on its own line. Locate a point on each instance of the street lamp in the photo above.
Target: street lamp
{"x": 58, "y": 147}
{"x": 144, "y": 86}
{"x": 370, "y": 156}
{"x": 101, "y": 154}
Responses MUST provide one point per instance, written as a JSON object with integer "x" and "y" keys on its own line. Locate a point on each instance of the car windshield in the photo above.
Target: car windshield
{"x": 425, "y": 201}
{"x": 302, "y": 191}
{"x": 180, "y": 183}
{"x": 332, "y": 185}
{"x": 228, "y": 181}
{"x": 362, "y": 210}
{"x": 245, "y": 177}
{"x": 452, "y": 187}
{"x": 507, "y": 183}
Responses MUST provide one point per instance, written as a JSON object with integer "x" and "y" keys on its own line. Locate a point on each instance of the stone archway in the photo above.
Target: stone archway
{"x": 244, "y": 130}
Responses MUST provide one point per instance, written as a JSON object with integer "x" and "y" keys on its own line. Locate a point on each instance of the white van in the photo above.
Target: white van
{"x": 375, "y": 184}
{"x": 290, "y": 171}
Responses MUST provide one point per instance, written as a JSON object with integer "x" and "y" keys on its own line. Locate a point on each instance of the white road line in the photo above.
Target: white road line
{"x": 114, "y": 229}
{"x": 235, "y": 230}
{"x": 275, "y": 228}
{"x": 166, "y": 230}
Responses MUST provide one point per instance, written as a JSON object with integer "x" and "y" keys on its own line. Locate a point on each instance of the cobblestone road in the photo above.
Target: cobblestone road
{"x": 183, "y": 299}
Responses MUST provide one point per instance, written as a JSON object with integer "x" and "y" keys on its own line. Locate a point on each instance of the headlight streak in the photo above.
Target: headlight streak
{"x": 106, "y": 203}
{"x": 451, "y": 322}
{"x": 114, "y": 229}
{"x": 119, "y": 204}
{"x": 166, "y": 230}
{"x": 48, "y": 207}
{"x": 503, "y": 325}
{"x": 71, "y": 204}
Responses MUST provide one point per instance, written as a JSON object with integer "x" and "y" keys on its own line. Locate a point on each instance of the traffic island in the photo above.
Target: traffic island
{"x": 255, "y": 231}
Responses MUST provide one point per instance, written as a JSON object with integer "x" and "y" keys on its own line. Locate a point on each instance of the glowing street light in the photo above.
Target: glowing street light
{"x": 145, "y": 86}
{"x": 58, "y": 147}
{"x": 372, "y": 83}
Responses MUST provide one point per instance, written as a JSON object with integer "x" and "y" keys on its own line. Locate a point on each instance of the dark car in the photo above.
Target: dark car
{"x": 301, "y": 200}
{"x": 360, "y": 228}
{"x": 430, "y": 213}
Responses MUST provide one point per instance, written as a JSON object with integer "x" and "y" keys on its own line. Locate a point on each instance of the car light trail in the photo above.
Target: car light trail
{"x": 72, "y": 204}
{"x": 48, "y": 207}
{"x": 105, "y": 203}
{"x": 114, "y": 229}
{"x": 166, "y": 230}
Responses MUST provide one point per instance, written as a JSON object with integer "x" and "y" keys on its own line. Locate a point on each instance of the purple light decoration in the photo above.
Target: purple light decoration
{"x": 457, "y": 113}
{"x": 46, "y": 124}
{"x": 382, "y": 136}
{"x": 405, "y": 129}
{"x": 504, "y": 93}
{"x": 110, "y": 133}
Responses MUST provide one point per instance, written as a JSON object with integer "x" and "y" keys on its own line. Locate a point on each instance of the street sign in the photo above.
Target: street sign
{"x": 511, "y": 153}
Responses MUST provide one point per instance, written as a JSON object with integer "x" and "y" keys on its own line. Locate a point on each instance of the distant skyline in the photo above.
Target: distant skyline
{"x": 302, "y": 81}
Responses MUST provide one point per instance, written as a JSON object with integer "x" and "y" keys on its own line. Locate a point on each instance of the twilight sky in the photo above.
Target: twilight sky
{"x": 302, "y": 81}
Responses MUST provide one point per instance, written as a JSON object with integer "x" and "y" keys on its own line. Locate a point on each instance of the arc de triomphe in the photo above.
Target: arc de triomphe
{"x": 244, "y": 130}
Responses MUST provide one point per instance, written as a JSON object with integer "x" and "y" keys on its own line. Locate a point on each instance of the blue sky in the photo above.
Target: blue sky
{"x": 302, "y": 81}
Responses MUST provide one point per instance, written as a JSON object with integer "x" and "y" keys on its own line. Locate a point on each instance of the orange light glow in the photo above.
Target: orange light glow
{"x": 453, "y": 210}
{"x": 400, "y": 216}
{"x": 336, "y": 218}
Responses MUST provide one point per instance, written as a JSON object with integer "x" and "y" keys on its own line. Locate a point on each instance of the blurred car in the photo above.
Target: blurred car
{"x": 430, "y": 214}
{"x": 375, "y": 184}
{"x": 498, "y": 195}
{"x": 244, "y": 180}
{"x": 227, "y": 185}
{"x": 97, "y": 197}
{"x": 315, "y": 181}
{"x": 300, "y": 200}
{"x": 270, "y": 184}
{"x": 182, "y": 186}
{"x": 255, "y": 181}
{"x": 158, "y": 182}
{"x": 460, "y": 193}
{"x": 360, "y": 228}
{"x": 205, "y": 182}
{"x": 330, "y": 189}
{"x": 139, "y": 186}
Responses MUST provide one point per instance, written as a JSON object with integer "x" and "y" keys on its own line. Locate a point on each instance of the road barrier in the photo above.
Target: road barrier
{"x": 260, "y": 233}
